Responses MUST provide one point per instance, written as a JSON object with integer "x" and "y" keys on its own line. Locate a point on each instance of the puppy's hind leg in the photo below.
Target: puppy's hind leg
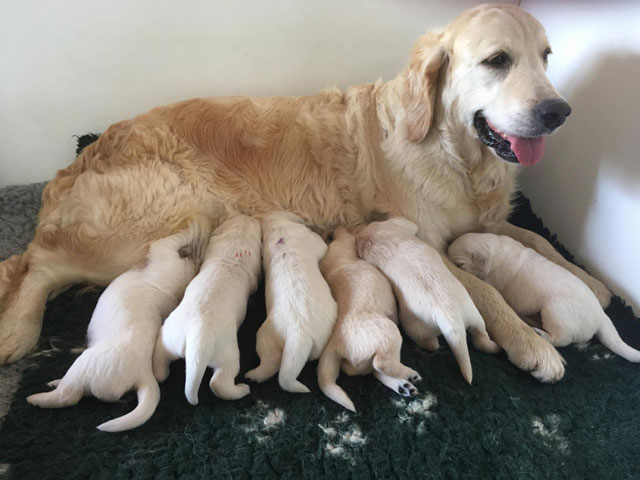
{"x": 294, "y": 357}
{"x": 269, "y": 351}
{"x": 64, "y": 395}
{"x": 398, "y": 385}
{"x": 162, "y": 358}
{"x": 388, "y": 364}
{"x": 479, "y": 336}
{"x": 328, "y": 372}
{"x": 222, "y": 383}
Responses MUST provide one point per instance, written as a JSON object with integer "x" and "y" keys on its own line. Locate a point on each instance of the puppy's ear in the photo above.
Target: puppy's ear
{"x": 481, "y": 262}
{"x": 421, "y": 79}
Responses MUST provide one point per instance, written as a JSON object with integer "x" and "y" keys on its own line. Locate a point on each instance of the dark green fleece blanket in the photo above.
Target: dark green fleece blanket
{"x": 505, "y": 426}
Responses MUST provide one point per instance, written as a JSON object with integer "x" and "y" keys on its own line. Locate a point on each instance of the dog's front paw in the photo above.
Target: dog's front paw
{"x": 534, "y": 354}
{"x": 407, "y": 389}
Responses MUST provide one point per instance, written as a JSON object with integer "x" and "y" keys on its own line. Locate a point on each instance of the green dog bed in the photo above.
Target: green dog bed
{"x": 505, "y": 425}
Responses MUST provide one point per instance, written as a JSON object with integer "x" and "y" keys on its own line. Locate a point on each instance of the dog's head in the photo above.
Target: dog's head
{"x": 488, "y": 68}
{"x": 473, "y": 253}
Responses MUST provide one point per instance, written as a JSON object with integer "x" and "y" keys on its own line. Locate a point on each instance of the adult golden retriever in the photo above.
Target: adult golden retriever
{"x": 439, "y": 144}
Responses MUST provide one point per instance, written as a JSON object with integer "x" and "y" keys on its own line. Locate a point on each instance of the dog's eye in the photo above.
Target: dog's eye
{"x": 546, "y": 53}
{"x": 497, "y": 60}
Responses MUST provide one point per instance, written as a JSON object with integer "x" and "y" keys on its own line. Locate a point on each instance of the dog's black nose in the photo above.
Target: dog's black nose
{"x": 553, "y": 113}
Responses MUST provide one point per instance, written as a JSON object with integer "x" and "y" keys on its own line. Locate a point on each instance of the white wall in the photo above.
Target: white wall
{"x": 587, "y": 188}
{"x": 76, "y": 66}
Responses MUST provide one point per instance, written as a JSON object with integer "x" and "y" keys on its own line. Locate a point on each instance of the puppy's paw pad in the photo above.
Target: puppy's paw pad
{"x": 415, "y": 378}
{"x": 407, "y": 390}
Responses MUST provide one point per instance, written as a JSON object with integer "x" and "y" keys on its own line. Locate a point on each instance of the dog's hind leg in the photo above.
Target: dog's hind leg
{"x": 25, "y": 291}
{"x": 269, "y": 350}
{"x": 398, "y": 385}
{"x": 222, "y": 383}
{"x": 162, "y": 358}
{"x": 294, "y": 357}
{"x": 388, "y": 364}
{"x": 64, "y": 395}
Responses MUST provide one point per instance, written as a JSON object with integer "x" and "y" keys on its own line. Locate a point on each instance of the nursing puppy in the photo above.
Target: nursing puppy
{"x": 431, "y": 300}
{"x": 365, "y": 338}
{"x": 123, "y": 330}
{"x": 203, "y": 329}
{"x": 531, "y": 284}
{"x": 300, "y": 309}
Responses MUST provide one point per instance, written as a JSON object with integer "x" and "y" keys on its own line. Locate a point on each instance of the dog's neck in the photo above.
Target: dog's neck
{"x": 450, "y": 155}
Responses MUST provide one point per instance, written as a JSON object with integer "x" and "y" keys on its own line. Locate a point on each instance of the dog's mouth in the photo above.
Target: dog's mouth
{"x": 526, "y": 150}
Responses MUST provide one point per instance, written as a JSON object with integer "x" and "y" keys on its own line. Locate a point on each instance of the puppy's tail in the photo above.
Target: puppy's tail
{"x": 195, "y": 366}
{"x": 456, "y": 336}
{"x": 148, "y": 399}
{"x": 295, "y": 354}
{"x": 328, "y": 372}
{"x": 609, "y": 337}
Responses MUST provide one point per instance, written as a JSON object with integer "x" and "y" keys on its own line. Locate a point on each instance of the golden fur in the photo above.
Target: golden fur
{"x": 403, "y": 147}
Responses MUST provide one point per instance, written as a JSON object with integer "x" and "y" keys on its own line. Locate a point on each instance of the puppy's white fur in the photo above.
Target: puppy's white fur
{"x": 203, "y": 329}
{"x": 301, "y": 312}
{"x": 123, "y": 330}
{"x": 366, "y": 338}
{"x": 431, "y": 300}
{"x": 531, "y": 284}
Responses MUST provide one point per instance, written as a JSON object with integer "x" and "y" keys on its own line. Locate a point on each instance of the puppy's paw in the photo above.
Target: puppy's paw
{"x": 407, "y": 389}
{"x": 415, "y": 377}
{"x": 256, "y": 375}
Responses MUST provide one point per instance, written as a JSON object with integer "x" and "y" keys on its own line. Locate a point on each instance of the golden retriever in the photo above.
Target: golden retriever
{"x": 432, "y": 145}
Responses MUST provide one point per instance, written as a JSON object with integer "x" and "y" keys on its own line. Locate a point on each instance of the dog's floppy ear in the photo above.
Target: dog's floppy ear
{"x": 421, "y": 79}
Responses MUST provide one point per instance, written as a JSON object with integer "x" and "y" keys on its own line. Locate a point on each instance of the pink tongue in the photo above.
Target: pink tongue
{"x": 528, "y": 150}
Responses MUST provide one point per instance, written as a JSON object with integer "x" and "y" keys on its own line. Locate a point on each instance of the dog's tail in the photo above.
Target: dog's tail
{"x": 295, "y": 354}
{"x": 456, "y": 336}
{"x": 609, "y": 337}
{"x": 148, "y": 399}
{"x": 328, "y": 372}
{"x": 195, "y": 368}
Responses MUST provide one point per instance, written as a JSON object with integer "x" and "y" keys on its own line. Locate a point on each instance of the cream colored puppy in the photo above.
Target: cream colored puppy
{"x": 123, "y": 330}
{"x": 531, "y": 284}
{"x": 300, "y": 309}
{"x": 431, "y": 300}
{"x": 203, "y": 329}
{"x": 366, "y": 338}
